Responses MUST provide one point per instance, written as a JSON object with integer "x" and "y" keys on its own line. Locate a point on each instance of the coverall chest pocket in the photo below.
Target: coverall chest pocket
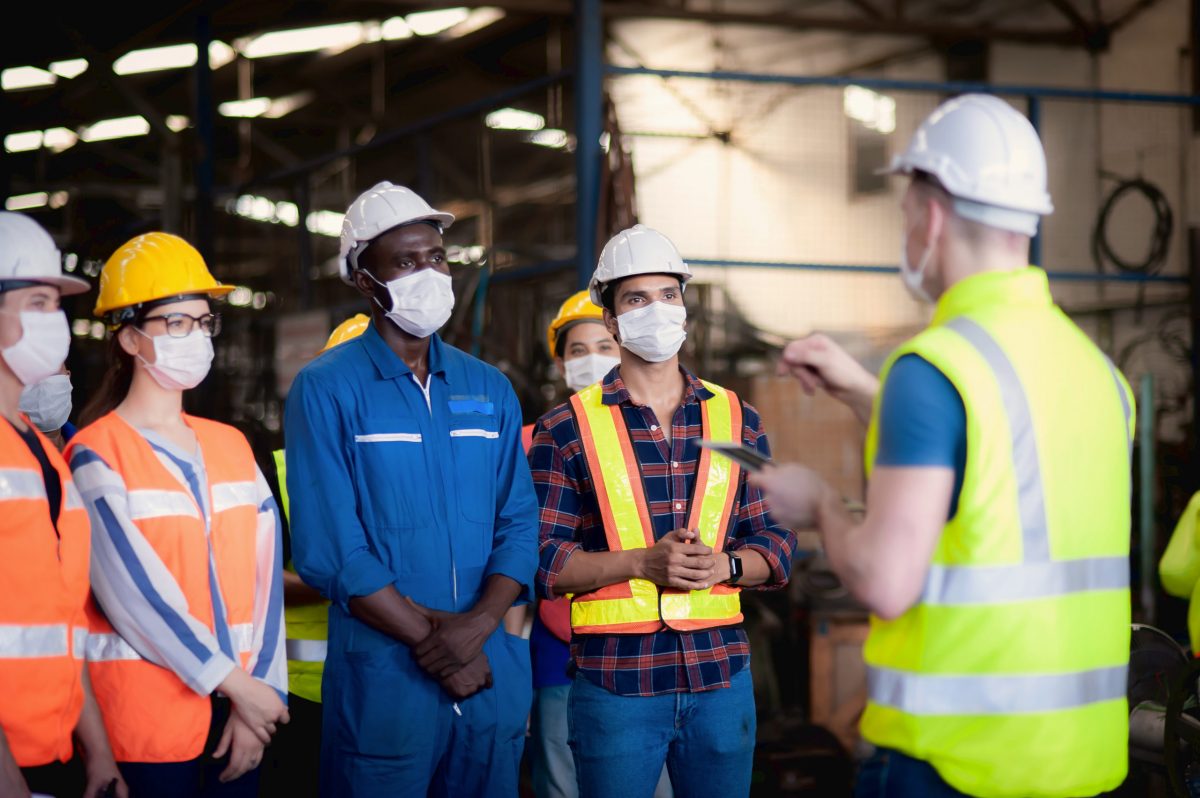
{"x": 474, "y": 445}
{"x": 390, "y": 463}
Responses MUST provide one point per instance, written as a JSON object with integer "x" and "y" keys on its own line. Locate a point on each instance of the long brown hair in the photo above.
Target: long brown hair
{"x": 115, "y": 385}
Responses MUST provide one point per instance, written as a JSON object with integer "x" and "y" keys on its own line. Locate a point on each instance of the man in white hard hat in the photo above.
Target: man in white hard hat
{"x": 413, "y": 512}
{"x": 46, "y": 702}
{"x": 654, "y": 537}
{"x": 994, "y": 550}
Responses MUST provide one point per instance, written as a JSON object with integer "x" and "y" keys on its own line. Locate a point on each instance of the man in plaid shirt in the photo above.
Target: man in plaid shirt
{"x": 649, "y": 689}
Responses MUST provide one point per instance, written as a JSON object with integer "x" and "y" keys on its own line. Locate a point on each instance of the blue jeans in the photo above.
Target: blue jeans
{"x": 706, "y": 739}
{"x": 550, "y": 756}
{"x": 891, "y": 774}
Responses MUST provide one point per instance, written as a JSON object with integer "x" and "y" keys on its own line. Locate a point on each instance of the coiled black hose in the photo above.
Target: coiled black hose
{"x": 1160, "y": 240}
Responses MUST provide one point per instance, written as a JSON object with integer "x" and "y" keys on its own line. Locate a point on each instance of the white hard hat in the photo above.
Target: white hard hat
{"x": 28, "y": 255}
{"x": 380, "y": 208}
{"x": 988, "y": 157}
{"x": 638, "y": 250}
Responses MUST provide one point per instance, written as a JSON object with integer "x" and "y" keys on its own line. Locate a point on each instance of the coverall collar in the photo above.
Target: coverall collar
{"x": 390, "y": 365}
{"x": 1027, "y": 286}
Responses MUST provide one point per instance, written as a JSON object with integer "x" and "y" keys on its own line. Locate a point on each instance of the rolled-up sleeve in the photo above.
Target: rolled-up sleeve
{"x": 329, "y": 545}
{"x": 755, "y": 529}
{"x": 559, "y": 509}
{"x": 514, "y": 540}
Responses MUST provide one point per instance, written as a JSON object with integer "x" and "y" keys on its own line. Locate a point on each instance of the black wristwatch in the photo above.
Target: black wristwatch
{"x": 735, "y": 568}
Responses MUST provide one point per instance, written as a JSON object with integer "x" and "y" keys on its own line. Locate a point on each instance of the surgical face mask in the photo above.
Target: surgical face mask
{"x": 42, "y": 349}
{"x": 48, "y": 403}
{"x": 421, "y": 302}
{"x": 655, "y": 332}
{"x": 581, "y": 372}
{"x": 914, "y": 279}
{"x": 180, "y": 364}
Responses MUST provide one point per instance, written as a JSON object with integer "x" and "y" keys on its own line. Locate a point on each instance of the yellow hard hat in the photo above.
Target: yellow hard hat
{"x": 348, "y": 330}
{"x": 578, "y": 307}
{"x": 150, "y": 267}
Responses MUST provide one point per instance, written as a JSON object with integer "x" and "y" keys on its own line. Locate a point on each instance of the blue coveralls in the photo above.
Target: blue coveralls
{"x": 433, "y": 497}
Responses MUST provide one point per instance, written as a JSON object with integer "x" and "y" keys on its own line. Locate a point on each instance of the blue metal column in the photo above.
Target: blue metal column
{"x": 589, "y": 111}
{"x": 1035, "y": 119}
{"x": 204, "y": 141}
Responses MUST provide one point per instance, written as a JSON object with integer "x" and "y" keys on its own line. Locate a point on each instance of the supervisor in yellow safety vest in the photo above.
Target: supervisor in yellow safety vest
{"x": 654, "y": 537}
{"x": 1179, "y": 568}
{"x": 291, "y": 767}
{"x": 995, "y": 564}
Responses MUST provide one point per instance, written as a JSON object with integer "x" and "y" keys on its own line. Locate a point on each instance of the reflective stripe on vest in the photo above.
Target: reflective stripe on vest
{"x": 19, "y": 483}
{"x": 1036, "y": 576}
{"x": 638, "y": 606}
{"x": 33, "y": 641}
{"x": 306, "y": 650}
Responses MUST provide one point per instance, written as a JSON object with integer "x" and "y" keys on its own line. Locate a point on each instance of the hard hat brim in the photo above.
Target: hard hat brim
{"x": 67, "y": 286}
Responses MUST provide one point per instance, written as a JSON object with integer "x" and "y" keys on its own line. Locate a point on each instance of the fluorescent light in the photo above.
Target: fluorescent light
{"x": 59, "y": 139}
{"x": 220, "y": 54}
{"x": 26, "y": 77}
{"x": 178, "y": 122}
{"x": 248, "y": 109}
{"x": 23, "y": 142}
{"x": 875, "y": 111}
{"x": 477, "y": 19}
{"x": 288, "y": 213}
{"x": 97, "y": 330}
{"x": 71, "y": 68}
{"x": 80, "y": 327}
{"x": 304, "y": 40}
{"x": 515, "y": 119}
{"x": 396, "y": 28}
{"x": 282, "y": 106}
{"x": 327, "y": 223}
{"x": 428, "y": 23}
{"x": 118, "y": 128}
{"x": 240, "y": 297}
{"x": 23, "y": 202}
{"x": 154, "y": 59}
{"x": 552, "y": 137}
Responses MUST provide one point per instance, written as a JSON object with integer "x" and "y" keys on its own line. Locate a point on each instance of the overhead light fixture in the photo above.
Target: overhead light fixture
{"x": 875, "y": 111}
{"x": 430, "y": 23}
{"x": 477, "y": 19}
{"x": 395, "y": 29}
{"x": 59, "y": 199}
{"x": 23, "y": 142}
{"x": 282, "y": 106}
{"x": 220, "y": 54}
{"x": 24, "y": 202}
{"x": 552, "y": 137}
{"x": 71, "y": 68}
{"x": 515, "y": 119}
{"x": 304, "y": 40}
{"x": 59, "y": 139}
{"x": 119, "y": 128}
{"x": 178, "y": 122}
{"x": 326, "y": 223}
{"x": 155, "y": 59}
{"x": 245, "y": 109}
{"x": 26, "y": 77}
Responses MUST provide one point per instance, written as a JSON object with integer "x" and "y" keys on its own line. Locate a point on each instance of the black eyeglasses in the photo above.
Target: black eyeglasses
{"x": 180, "y": 325}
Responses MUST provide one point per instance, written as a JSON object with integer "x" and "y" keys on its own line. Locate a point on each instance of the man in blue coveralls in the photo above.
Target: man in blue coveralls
{"x": 414, "y": 513}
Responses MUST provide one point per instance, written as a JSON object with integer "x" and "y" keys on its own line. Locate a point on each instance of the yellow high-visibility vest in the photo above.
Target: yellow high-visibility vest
{"x": 1008, "y": 675}
{"x": 307, "y": 624}
{"x": 1179, "y": 568}
{"x": 639, "y": 606}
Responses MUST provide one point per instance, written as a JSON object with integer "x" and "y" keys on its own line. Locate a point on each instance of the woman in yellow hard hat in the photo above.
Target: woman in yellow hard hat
{"x": 185, "y": 646}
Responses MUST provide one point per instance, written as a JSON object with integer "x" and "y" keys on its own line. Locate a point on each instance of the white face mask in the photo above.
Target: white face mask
{"x": 914, "y": 279}
{"x": 48, "y": 403}
{"x": 580, "y": 372}
{"x": 421, "y": 302}
{"x": 180, "y": 364}
{"x": 45, "y": 340}
{"x": 655, "y": 332}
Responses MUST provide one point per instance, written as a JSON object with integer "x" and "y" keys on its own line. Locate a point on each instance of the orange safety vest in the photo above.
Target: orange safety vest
{"x": 639, "y": 606}
{"x": 151, "y": 715}
{"x": 42, "y": 626}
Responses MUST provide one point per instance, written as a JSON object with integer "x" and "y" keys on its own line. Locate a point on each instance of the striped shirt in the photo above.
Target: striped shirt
{"x": 666, "y": 661}
{"x": 143, "y": 601}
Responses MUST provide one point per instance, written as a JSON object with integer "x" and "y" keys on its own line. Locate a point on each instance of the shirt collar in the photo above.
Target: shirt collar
{"x": 615, "y": 391}
{"x": 1028, "y": 286}
{"x": 390, "y": 365}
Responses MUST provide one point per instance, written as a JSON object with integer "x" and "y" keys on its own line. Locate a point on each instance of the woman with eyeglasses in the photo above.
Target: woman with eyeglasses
{"x": 185, "y": 645}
